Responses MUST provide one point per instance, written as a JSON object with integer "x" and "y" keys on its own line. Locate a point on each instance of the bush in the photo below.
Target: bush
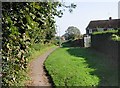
{"x": 115, "y": 37}
{"x": 105, "y": 32}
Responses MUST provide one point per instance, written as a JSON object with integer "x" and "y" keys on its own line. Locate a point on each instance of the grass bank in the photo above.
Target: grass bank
{"x": 80, "y": 67}
{"x": 37, "y": 50}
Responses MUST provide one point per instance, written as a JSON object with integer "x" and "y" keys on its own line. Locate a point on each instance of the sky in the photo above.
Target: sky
{"x": 86, "y": 11}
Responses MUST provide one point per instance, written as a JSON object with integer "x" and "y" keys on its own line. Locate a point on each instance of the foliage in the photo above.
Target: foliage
{"x": 24, "y": 25}
{"x": 73, "y": 43}
{"x": 57, "y": 40}
{"x": 105, "y": 32}
{"x": 14, "y": 46}
{"x": 72, "y": 33}
{"x": 36, "y": 50}
{"x": 115, "y": 37}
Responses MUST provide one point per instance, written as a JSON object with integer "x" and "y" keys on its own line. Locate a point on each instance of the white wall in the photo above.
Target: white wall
{"x": 110, "y": 29}
{"x": 100, "y": 29}
{"x": 90, "y": 31}
{"x": 87, "y": 41}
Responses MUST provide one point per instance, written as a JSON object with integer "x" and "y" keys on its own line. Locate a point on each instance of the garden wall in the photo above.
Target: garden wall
{"x": 103, "y": 43}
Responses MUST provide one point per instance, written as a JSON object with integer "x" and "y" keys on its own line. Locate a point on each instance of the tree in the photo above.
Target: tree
{"x": 25, "y": 24}
{"x": 72, "y": 33}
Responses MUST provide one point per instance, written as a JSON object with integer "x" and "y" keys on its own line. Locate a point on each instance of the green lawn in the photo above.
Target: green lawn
{"x": 80, "y": 67}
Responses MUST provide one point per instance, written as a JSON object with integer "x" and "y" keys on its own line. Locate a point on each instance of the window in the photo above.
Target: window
{"x": 90, "y": 31}
{"x": 105, "y": 29}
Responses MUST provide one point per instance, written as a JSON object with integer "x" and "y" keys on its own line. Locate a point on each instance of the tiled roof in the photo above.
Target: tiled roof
{"x": 113, "y": 23}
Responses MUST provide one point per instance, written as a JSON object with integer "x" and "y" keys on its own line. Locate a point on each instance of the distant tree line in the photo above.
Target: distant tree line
{"x": 72, "y": 33}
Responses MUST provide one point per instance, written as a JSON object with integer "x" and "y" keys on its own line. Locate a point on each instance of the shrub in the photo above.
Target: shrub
{"x": 105, "y": 32}
{"x": 115, "y": 37}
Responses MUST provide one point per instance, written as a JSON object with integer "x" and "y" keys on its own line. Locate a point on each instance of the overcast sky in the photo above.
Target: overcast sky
{"x": 86, "y": 11}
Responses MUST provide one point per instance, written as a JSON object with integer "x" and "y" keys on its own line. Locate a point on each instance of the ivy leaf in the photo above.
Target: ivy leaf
{"x": 29, "y": 27}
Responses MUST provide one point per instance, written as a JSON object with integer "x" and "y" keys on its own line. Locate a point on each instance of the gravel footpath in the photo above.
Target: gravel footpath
{"x": 37, "y": 72}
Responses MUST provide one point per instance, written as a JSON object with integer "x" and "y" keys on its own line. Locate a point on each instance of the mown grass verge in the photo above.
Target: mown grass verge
{"x": 80, "y": 67}
{"x": 38, "y": 49}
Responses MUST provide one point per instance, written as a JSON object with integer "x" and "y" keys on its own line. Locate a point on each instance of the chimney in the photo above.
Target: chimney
{"x": 110, "y": 18}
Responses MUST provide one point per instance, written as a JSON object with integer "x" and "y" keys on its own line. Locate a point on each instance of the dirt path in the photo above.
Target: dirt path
{"x": 37, "y": 72}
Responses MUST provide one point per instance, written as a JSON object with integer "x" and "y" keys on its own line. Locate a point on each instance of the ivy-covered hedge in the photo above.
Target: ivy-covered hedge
{"x": 24, "y": 25}
{"x": 107, "y": 43}
{"x": 115, "y": 34}
{"x": 105, "y": 32}
{"x": 115, "y": 37}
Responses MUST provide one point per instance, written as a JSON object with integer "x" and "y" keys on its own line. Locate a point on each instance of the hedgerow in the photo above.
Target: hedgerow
{"x": 114, "y": 34}
{"x": 115, "y": 37}
{"x": 105, "y": 32}
{"x": 24, "y": 24}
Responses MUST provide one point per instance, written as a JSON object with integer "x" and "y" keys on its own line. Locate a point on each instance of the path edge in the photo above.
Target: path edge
{"x": 46, "y": 71}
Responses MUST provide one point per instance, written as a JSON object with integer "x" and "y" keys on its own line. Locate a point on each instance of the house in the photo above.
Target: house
{"x": 63, "y": 38}
{"x": 102, "y": 25}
